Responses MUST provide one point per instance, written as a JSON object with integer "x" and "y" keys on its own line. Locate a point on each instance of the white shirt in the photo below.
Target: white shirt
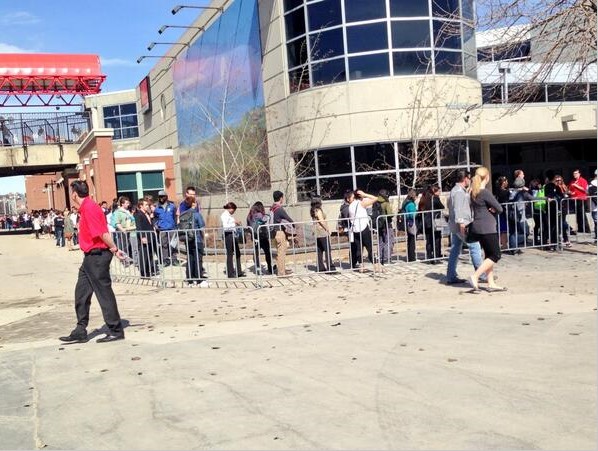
{"x": 228, "y": 221}
{"x": 74, "y": 219}
{"x": 359, "y": 217}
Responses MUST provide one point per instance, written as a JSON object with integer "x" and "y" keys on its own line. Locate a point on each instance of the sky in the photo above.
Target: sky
{"x": 119, "y": 31}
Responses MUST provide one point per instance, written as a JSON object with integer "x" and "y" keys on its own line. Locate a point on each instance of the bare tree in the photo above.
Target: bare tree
{"x": 556, "y": 37}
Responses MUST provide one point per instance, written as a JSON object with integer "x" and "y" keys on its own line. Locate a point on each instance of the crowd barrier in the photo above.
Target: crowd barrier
{"x": 244, "y": 254}
{"x": 582, "y": 214}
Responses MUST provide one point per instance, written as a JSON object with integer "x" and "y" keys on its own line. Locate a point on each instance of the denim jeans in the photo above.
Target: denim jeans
{"x": 475, "y": 252}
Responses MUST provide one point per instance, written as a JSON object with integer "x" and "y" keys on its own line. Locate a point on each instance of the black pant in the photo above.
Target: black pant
{"x": 94, "y": 278}
{"x": 146, "y": 245}
{"x": 194, "y": 260}
{"x": 581, "y": 208}
{"x": 433, "y": 238}
{"x": 264, "y": 244}
{"x": 323, "y": 245}
{"x": 553, "y": 220}
{"x": 362, "y": 239}
{"x": 232, "y": 250}
{"x": 540, "y": 227}
{"x": 411, "y": 257}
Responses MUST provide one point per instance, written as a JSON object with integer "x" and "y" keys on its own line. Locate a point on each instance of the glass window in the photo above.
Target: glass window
{"x": 408, "y": 8}
{"x": 498, "y": 154}
{"x": 592, "y": 91}
{"x": 485, "y": 54}
{"x": 305, "y": 164}
{"x": 299, "y": 79}
{"x": 445, "y": 8}
{"x": 327, "y": 44}
{"x": 469, "y": 40}
{"x": 335, "y": 187}
{"x": 327, "y": 72}
{"x": 470, "y": 65}
{"x": 111, "y": 111}
{"x": 448, "y": 178}
{"x": 113, "y": 122}
{"x": 334, "y": 161}
{"x": 425, "y": 178}
{"x": 411, "y": 33}
{"x": 126, "y": 181}
{"x": 364, "y": 38}
{"x": 129, "y": 108}
{"x": 517, "y": 51}
{"x": 475, "y": 153}
{"x": 408, "y": 63}
{"x": 453, "y": 153}
{"x": 132, "y": 132}
{"x": 448, "y": 63}
{"x": 152, "y": 180}
{"x": 492, "y": 93}
{"x": 467, "y": 9}
{"x": 526, "y": 93}
{"x": 369, "y": 66}
{"x": 295, "y": 24}
{"x": 297, "y": 52}
{"x": 573, "y": 92}
{"x": 324, "y": 14}
{"x": 424, "y": 156}
{"x": 117, "y": 134}
{"x": 373, "y": 183}
{"x": 129, "y": 121}
{"x": 357, "y": 10}
{"x": 375, "y": 157}
{"x": 447, "y": 34}
{"x": 290, "y": 4}
{"x": 306, "y": 189}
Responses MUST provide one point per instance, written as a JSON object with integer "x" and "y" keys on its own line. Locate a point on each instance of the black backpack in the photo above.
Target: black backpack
{"x": 186, "y": 225}
{"x": 376, "y": 213}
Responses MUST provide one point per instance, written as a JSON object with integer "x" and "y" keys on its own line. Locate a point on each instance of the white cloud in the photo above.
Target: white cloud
{"x": 19, "y": 18}
{"x": 9, "y": 48}
{"x": 116, "y": 62}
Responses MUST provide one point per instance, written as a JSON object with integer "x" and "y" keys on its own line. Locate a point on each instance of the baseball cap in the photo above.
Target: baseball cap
{"x": 162, "y": 193}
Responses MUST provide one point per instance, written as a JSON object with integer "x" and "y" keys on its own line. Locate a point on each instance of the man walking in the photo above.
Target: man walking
{"x": 459, "y": 218}
{"x": 94, "y": 274}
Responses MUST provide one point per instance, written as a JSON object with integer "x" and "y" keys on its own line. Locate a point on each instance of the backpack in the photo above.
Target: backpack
{"x": 343, "y": 217}
{"x": 261, "y": 233}
{"x": 376, "y": 213}
{"x": 186, "y": 222}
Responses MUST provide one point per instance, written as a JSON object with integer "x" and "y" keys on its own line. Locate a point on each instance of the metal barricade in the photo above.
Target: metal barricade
{"x": 529, "y": 224}
{"x": 420, "y": 236}
{"x": 207, "y": 256}
{"x": 315, "y": 247}
{"x": 581, "y": 214}
{"x": 142, "y": 260}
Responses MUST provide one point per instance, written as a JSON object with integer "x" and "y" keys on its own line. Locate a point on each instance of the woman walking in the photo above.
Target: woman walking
{"x": 256, "y": 218}
{"x": 322, "y": 233}
{"x": 485, "y": 208}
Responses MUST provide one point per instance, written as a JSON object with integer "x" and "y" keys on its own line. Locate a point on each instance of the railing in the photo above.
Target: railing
{"x": 268, "y": 253}
{"x": 581, "y": 213}
{"x": 27, "y": 129}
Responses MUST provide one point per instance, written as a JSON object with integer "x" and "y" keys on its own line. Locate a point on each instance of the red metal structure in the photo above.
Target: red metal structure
{"x": 50, "y": 78}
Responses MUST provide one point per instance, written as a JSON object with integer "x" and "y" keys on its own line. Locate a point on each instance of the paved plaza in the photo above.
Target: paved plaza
{"x": 399, "y": 362}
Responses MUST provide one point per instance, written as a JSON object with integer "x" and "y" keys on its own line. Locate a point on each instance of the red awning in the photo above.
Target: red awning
{"x": 49, "y": 74}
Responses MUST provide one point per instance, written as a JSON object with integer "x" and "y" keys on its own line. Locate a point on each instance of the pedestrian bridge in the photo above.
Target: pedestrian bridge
{"x": 33, "y": 143}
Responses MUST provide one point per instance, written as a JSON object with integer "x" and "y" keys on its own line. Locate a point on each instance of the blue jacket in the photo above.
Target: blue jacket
{"x": 198, "y": 223}
{"x": 165, "y": 216}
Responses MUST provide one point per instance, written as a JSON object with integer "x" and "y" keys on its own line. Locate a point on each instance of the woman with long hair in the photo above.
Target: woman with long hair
{"x": 322, "y": 233}
{"x": 430, "y": 202}
{"x": 261, "y": 235}
{"x": 485, "y": 207}
{"x": 409, "y": 208}
{"x": 503, "y": 195}
{"x": 360, "y": 232}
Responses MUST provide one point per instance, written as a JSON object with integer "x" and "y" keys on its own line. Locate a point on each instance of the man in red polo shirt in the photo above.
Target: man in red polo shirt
{"x": 94, "y": 274}
{"x": 578, "y": 187}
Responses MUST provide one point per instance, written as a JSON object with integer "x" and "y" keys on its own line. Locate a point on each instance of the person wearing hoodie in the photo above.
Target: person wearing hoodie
{"x": 385, "y": 231}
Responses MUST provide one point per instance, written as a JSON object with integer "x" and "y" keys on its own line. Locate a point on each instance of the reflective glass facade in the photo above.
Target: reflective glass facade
{"x": 220, "y": 105}
{"x": 395, "y": 166}
{"x": 332, "y": 41}
{"x": 123, "y": 119}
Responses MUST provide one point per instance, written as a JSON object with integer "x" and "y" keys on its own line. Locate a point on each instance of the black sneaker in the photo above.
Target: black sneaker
{"x": 109, "y": 337}
{"x": 76, "y": 336}
{"x": 456, "y": 281}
